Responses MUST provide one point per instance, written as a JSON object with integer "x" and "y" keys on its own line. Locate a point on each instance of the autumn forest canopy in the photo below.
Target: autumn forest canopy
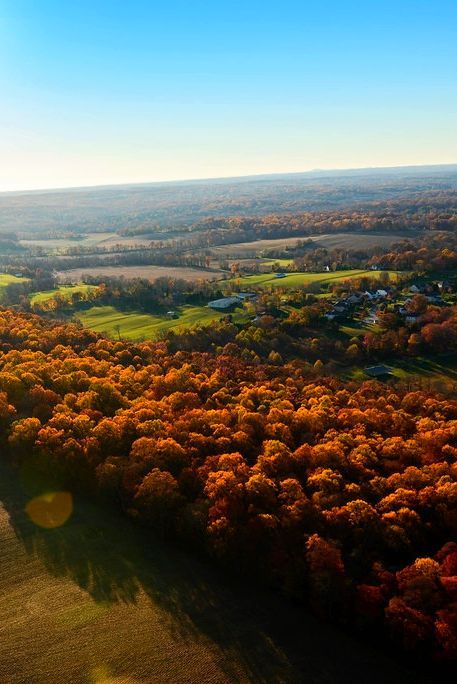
{"x": 340, "y": 494}
{"x": 262, "y": 371}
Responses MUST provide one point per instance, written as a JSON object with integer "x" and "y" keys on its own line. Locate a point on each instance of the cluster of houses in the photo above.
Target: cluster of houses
{"x": 344, "y": 307}
{"x": 341, "y": 307}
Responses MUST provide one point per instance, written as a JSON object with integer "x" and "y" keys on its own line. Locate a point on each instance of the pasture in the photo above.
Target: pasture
{"x": 137, "y": 326}
{"x": 293, "y": 280}
{"x": 8, "y": 279}
{"x": 65, "y": 291}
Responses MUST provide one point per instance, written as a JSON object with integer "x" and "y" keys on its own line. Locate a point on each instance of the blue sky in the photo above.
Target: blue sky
{"x": 109, "y": 92}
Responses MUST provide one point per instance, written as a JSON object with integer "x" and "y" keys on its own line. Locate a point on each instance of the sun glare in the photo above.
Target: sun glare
{"x": 50, "y": 510}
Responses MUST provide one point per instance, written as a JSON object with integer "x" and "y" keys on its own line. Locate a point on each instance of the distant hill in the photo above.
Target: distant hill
{"x": 176, "y": 203}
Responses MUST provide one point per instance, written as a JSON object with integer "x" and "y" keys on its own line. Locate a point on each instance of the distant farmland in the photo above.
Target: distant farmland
{"x": 102, "y": 239}
{"x": 151, "y": 273}
{"x": 332, "y": 241}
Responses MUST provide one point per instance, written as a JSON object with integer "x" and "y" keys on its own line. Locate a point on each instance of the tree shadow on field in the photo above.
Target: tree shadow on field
{"x": 256, "y": 632}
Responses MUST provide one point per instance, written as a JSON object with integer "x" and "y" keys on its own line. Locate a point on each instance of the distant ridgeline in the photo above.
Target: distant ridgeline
{"x": 137, "y": 208}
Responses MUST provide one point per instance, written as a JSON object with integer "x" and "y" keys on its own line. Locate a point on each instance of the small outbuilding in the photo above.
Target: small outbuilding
{"x": 378, "y": 372}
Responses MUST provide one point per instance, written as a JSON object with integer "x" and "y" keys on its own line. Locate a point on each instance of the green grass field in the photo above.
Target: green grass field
{"x": 8, "y": 279}
{"x": 136, "y": 325}
{"x": 298, "y": 279}
{"x": 64, "y": 290}
{"x": 281, "y": 262}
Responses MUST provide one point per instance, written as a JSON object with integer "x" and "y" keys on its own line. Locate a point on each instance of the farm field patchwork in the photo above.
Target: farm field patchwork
{"x": 136, "y": 325}
{"x": 330, "y": 241}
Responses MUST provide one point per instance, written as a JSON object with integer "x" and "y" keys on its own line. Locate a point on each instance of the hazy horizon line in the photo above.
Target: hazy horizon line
{"x": 202, "y": 179}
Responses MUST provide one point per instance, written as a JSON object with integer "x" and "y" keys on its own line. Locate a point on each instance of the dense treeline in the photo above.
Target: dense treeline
{"x": 342, "y": 495}
{"x": 168, "y": 254}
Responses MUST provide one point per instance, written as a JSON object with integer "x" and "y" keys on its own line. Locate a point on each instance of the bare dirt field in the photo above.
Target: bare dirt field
{"x": 151, "y": 273}
{"x": 336, "y": 240}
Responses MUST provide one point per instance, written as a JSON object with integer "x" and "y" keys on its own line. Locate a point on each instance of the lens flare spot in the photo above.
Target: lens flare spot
{"x": 50, "y": 510}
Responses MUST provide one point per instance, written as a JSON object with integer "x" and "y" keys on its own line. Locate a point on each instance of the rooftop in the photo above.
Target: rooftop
{"x": 378, "y": 371}
{"x": 224, "y": 303}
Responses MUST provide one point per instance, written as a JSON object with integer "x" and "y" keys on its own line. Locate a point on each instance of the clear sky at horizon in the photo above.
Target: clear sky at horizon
{"x": 96, "y": 92}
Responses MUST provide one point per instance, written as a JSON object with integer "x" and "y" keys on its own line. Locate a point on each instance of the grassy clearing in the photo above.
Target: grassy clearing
{"x": 64, "y": 290}
{"x": 440, "y": 369}
{"x": 8, "y": 279}
{"x": 136, "y": 325}
{"x": 299, "y": 279}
